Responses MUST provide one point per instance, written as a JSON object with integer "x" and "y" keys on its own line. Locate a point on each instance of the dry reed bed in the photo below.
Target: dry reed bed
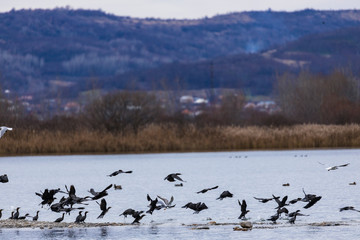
{"x": 174, "y": 138}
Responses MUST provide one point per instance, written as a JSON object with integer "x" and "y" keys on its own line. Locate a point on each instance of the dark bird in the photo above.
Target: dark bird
{"x": 352, "y": 183}
{"x": 207, "y": 189}
{"x": 164, "y": 203}
{"x": 117, "y": 187}
{"x": 197, "y": 207}
{"x": 292, "y": 219}
{"x": 283, "y": 210}
{"x": 173, "y": 177}
{"x": 1, "y": 213}
{"x": 128, "y": 212}
{"x": 348, "y": 208}
{"x": 60, "y": 218}
{"x": 12, "y": 215}
{"x": 297, "y": 212}
{"x": 103, "y": 208}
{"x": 4, "y": 178}
{"x": 308, "y": 197}
{"x": 48, "y": 195}
{"x": 98, "y": 195}
{"x": 78, "y": 218}
{"x": 312, "y": 202}
{"x": 295, "y": 200}
{"x": 118, "y": 172}
{"x": 152, "y": 204}
{"x": 243, "y": 209}
{"x": 281, "y": 203}
{"x": 179, "y": 185}
{"x": 274, "y": 217}
{"x": 286, "y": 185}
{"x": 36, "y": 217}
{"x": 264, "y": 200}
{"x": 23, "y": 217}
{"x": 225, "y": 194}
{"x": 82, "y": 218}
{"x": 138, "y": 216}
{"x": 16, "y": 214}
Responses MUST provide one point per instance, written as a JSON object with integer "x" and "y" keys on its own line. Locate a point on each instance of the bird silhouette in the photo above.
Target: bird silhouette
{"x": 172, "y": 177}
{"x": 312, "y": 202}
{"x": 60, "y": 219}
{"x": 351, "y": 208}
{"x": 4, "y": 178}
{"x": 225, "y": 194}
{"x": 243, "y": 209}
{"x": 207, "y": 189}
{"x": 118, "y": 172}
{"x": 164, "y": 203}
{"x": 98, "y": 195}
{"x": 103, "y": 207}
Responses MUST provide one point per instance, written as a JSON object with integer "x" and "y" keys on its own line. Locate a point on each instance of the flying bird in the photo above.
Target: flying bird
{"x": 348, "y": 208}
{"x": 281, "y": 203}
{"x": 197, "y": 207}
{"x": 172, "y": 177}
{"x": 103, "y": 207}
{"x": 166, "y": 203}
{"x": 225, "y": 194}
{"x": 335, "y": 167}
{"x": 98, "y": 195}
{"x": 118, "y": 172}
{"x": 264, "y": 200}
{"x": 3, "y": 129}
{"x": 312, "y": 202}
{"x": 207, "y": 189}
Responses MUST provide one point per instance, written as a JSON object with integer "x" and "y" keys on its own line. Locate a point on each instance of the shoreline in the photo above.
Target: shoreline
{"x": 43, "y": 225}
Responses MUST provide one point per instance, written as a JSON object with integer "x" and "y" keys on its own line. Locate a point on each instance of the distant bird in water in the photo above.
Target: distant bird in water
{"x": 4, "y": 178}
{"x": 36, "y": 217}
{"x": 351, "y": 208}
{"x": 353, "y": 183}
{"x": 274, "y": 217}
{"x": 60, "y": 219}
{"x": 243, "y": 209}
{"x": 118, "y": 172}
{"x": 16, "y": 214}
{"x": 179, "y": 185}
{"x": 286, "y": 184}
{"x": 98, "y": 195}
{"x": 3, "y": 129}
{"x": 117, "y": 187}
{"x": 225, "y": 194}
{"x": 103, "y": 208}
{"x": 82, "y": 218}
{"x": 207, "y": 189}
{"x": 23, "y": 217}
{"x": 173, "y": 177}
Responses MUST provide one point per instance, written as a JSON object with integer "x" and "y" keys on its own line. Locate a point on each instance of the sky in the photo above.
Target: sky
{"x": 179, "y": 9}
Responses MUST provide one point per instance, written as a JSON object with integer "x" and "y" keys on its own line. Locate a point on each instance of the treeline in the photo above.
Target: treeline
{"x": 303, "y": 98}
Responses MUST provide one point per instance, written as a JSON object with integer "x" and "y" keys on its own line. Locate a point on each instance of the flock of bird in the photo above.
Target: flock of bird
{"x": 71, "y": 202}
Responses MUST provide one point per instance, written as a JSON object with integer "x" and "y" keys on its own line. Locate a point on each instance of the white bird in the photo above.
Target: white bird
{"x": 335, "y": 167}
{"x": 3, "y": 129}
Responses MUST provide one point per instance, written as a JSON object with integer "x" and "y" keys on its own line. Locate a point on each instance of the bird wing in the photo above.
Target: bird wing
{"x": 213, "y": 188}
{"x": 344, "y": 165}
{"x": 108, "y": 187}
{"x": 277, "y": 199}
{"x": 164, "y": 200}
{"x": 177, "y": 177}
{"x": 171, "y": 200}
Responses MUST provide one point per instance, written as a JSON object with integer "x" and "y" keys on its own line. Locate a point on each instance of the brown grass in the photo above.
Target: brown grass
{"x": 177, "y": 138}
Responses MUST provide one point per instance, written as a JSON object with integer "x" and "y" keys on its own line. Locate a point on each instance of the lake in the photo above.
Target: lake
{"x": 245, "y": 174}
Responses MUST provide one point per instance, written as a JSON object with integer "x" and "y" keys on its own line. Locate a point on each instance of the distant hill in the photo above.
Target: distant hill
{"x": 90, "y": 48}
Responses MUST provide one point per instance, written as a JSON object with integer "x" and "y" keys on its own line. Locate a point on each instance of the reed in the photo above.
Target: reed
{"x": 180, "y": 138}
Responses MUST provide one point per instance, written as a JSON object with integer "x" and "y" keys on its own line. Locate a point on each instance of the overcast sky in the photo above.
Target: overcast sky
{"x": 180, "y": 8}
